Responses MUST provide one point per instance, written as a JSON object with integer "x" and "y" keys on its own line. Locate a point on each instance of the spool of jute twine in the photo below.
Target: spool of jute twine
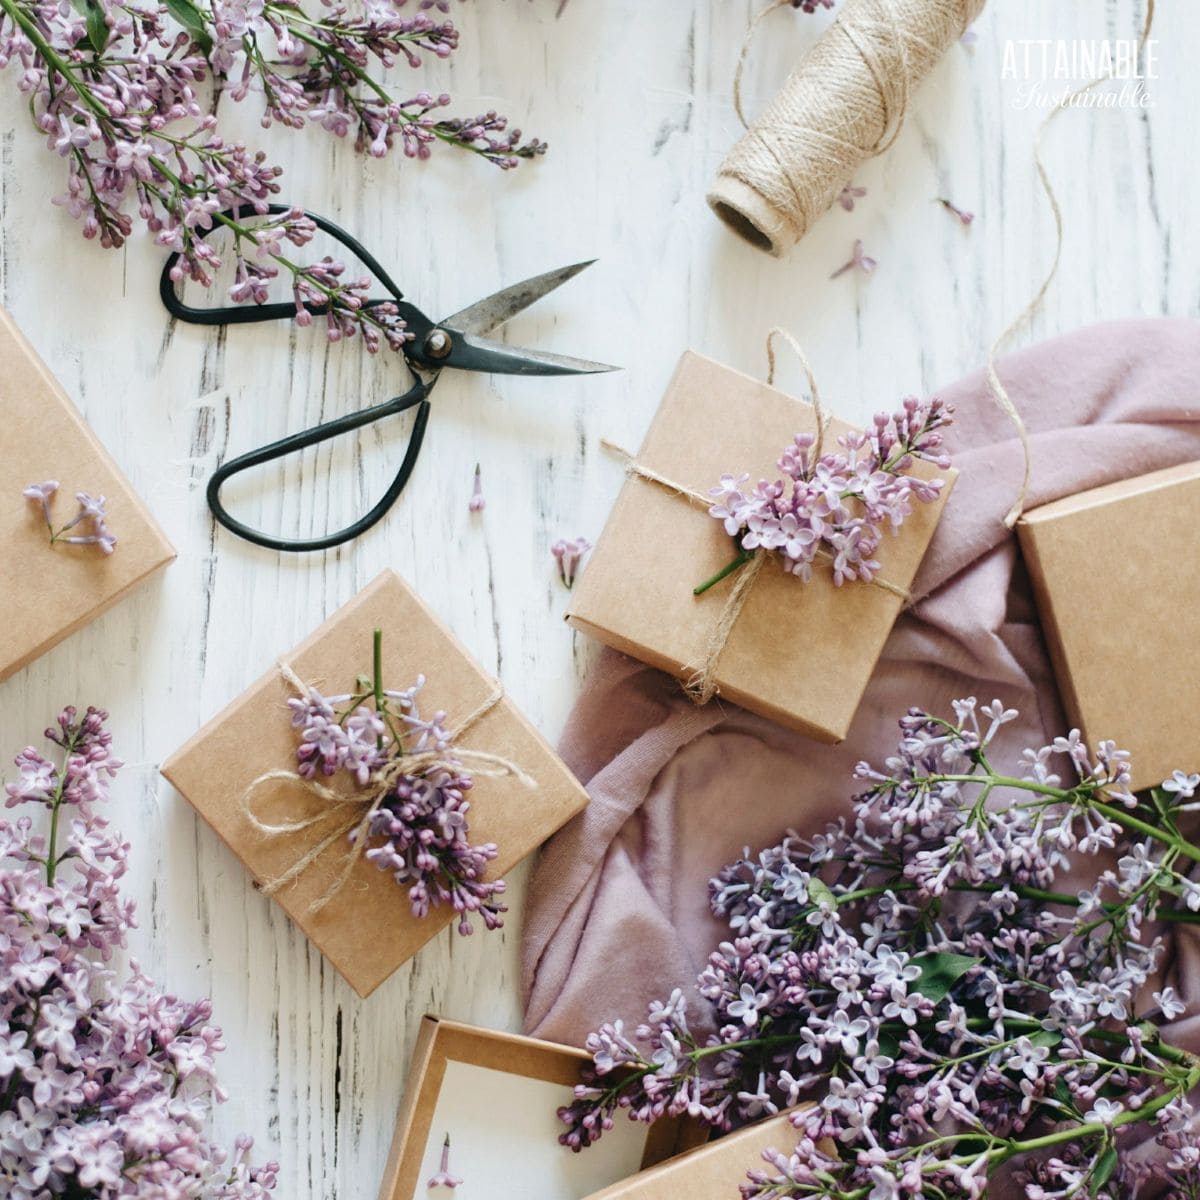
{"x": 843, "y": 104}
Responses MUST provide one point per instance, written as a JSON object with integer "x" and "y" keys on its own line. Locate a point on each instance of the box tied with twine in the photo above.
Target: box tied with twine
{"x": 800, "y": 655}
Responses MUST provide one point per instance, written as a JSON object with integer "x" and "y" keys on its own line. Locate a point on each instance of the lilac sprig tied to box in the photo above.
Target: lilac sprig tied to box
{"x": 356, "y": 819}
{"x": 790, "y": 619}
{"x": 410, "y": 783}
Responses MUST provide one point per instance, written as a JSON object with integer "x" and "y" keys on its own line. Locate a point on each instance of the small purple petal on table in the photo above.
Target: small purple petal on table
{"x": 443, "y": 1178}
{"x": 858, "y": 261}
{"x": 569, "y": 555}
{"x": 964, "y": 217}
{"x": 477, "y": 503}
{"x": 849, "y": 194}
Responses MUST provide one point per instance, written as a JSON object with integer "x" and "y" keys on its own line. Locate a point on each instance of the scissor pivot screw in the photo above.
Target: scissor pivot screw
{"x": 438, "y": 343}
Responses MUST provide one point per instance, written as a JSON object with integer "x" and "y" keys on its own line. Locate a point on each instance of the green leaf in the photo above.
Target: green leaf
{"x": 1046, "y": 1037}
{"x": 1102, "y": 1171}
{"x": 939, "y": 973}
{"x": 1162, "y": 802}
{"x": 889, "y": 1043}
{"x": 97, "y": 26}
{"x": 192, "y": 19}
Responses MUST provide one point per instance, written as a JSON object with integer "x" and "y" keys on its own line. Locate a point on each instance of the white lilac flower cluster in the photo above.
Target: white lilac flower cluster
{"x": 419, "y": 831}
{"x": 840, "y": 504}
{"x": 91, "y": 517}
{"x": 914, "y": 975}
{"x": 105, "y": 1082}
{"x": 119, "y": 93}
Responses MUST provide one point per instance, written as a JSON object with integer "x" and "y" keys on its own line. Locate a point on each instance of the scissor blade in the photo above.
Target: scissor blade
{"x": 481, "y": 354}
{"x": 492, "y": 311}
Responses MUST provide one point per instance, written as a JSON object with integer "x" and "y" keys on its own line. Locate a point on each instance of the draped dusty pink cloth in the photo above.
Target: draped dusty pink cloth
{"x": 617, "y": 911}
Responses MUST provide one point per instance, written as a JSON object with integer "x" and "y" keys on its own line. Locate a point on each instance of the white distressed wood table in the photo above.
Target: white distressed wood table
{"x": 634, "y": 98}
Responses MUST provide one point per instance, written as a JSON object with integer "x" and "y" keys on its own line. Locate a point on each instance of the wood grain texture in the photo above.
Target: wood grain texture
{"x": 634, "y": 97}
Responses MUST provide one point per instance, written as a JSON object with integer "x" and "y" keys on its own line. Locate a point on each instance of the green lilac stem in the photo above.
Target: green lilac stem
{"x": 1018, "y": 889}
{"x": 55, "y": 805}
{"x": 1002, "y": 1150}
{"x": 47, "y": 51}
{"x": 743, "y": 557}
{"x": 377, "y": 678}
{"x": 1127, "y": 821}
{"x": 1009, "y": 781}
{"x": 66, "y": 70}
{"x": 356, "y": 72}
{"x": 1129, "y": 1117}
{"x": 694, "y": 1055}
{"x": 1120, "y": 816}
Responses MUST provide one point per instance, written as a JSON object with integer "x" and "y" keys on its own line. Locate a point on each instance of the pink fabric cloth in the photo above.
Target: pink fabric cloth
{"x": 617, "y": 912}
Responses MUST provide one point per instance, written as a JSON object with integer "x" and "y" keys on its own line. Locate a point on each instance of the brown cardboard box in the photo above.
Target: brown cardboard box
{"x": 496, "y": 1096}
{"x": 799, "y": 653}
{"x": 50, "y": 591}
{"x": 712, "y": 1172}
{"x": 367, "y": 930}
{"x": 1113, "y": 572}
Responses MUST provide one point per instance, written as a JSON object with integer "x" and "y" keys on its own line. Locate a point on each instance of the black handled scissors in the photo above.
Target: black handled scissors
{"x": 458, "y": 341}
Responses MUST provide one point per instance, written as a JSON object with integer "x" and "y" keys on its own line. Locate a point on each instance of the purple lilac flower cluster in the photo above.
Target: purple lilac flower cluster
{"x": 839, "y": 504}
{"x": 117, "y": 89}
{"x": 105, "y": 1082}
{"x": 914, "y": 975}
{"x": 421, "y": 824}
{"x": 91, "y": 511}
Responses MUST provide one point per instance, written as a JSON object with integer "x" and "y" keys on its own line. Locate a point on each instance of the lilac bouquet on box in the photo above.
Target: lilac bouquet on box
{"x": 105, "y": 1082}
{"x": 915, "y": 972}
{"x": 118, "y": 91}
{"x": 415, "y": 785}
{"x": 835, "y": 505}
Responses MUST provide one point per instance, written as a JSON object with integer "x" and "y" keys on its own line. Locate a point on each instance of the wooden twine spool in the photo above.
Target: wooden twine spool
{"x": 842, "y": 105}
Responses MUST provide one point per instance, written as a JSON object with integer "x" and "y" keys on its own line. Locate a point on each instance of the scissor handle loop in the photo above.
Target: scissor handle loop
{"x": 417, "y": 396}
{"x": 242, "y": 314}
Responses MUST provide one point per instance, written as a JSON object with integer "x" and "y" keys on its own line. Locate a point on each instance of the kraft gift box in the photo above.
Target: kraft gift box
{"x": 51, "y": 591}
{"x": 496, "y": 1096}
{"x": 714, "y": 1171}
{"x": 1112, "y": 573}
{"x": 800, "y": 654}
{"x": 367, "y": 929}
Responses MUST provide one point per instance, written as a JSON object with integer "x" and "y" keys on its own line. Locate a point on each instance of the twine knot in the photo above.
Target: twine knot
{"x": 352, "y": 812}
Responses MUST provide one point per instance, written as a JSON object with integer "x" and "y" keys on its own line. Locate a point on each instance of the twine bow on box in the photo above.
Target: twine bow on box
{"x": 702, "y": 685}
{"x": 351, "y": 813}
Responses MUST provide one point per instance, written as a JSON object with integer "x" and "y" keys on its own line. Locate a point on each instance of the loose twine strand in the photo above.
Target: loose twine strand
{"x": 795, "y": 159}
{"x": 355, "y": 810}
{"x": 999, "y": 391}
{"x": 894, "y": 89}
{"x": 701, "y": 685}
